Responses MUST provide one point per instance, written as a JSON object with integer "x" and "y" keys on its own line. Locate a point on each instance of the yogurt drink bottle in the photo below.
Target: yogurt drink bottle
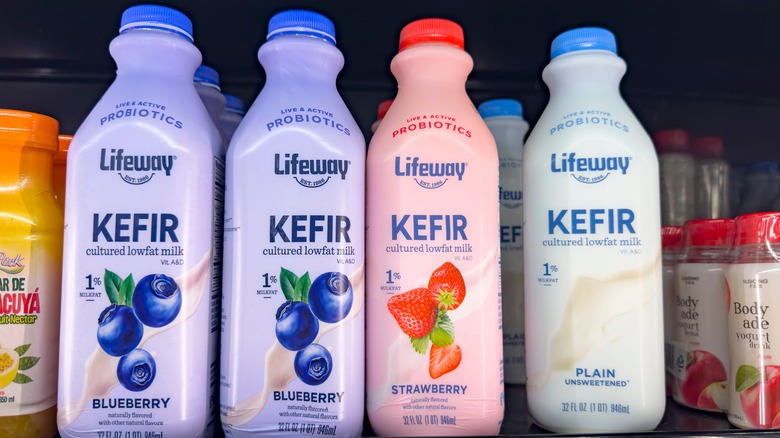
{"x": 671, "y": 241}
{"x": 434, "y": 354}
{"x": 504, "y": 118}
{"x": 711, "y": 179}
{"x": 30, "y": 275}
{"x": 700, "y": 359}
{"x": 231, "y": 116}
{"x": 753, "y": 281}
{"x": 592, "y": 250}
{"x": 207, "y": 85}
{"x": 293, "y": 309}
{"x": 144, "y": 190}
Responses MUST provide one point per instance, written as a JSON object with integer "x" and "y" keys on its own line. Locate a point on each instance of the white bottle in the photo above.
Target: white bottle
{"x": 711, "y": 179}
{"x": 760, "y": 189}
{"x": 592, "y": 250}
{"x": 231, "y": 117}
{"x": 676, "y": 167}
{"x": 140, "y": 315}
{"x": 207, "y": 85}
{"x": 504, "y": 118}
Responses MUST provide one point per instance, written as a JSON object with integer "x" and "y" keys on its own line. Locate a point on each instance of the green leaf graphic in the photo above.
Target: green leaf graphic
{"x": 747, "y": 376}
{"x": 25, "y": 363}
{"x": 20, "y": 350}
{"x": 113, "y": 282}
{"x": 440, "y": 337}
{"x": 302, "y": 288}
{"x": 126, "y": 290}
{"x": 287, "y": 280}
{"x": 420, "y": 345}
{"x": 21, "y": 378}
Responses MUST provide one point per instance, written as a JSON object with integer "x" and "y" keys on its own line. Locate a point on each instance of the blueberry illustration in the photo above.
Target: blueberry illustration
{"x": 136, "y": 370}
{"x": 296, "y": 326}
{"x": 330, "y": 297}
{"x": 119, "y": 331}
{"x": 156, "y": 300}
{"x": 313, "y": 364}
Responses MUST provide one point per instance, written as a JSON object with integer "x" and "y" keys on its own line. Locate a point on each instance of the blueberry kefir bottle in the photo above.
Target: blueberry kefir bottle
{"x": 293, "y": 309}
{"x": 592, "y": 249}
{"x": 504, "y": 118}
{"x": 144, "y": 180}
{"x": 434, "y": 353}
{"x": 700, "y": 358}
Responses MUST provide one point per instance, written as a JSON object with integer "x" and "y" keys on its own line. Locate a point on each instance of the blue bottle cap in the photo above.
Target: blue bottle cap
{"x": 584, "y": 38}
{"x": 299, "y": 22}
{"x": 207, "y": 76}
{"x": 233, "y": 103}
{"x": 500, "y": 107}
{"x": 763, "y": 167}
{"x": 157, "y": 18}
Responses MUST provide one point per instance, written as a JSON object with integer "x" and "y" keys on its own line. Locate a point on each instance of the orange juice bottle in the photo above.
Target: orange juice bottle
{"x": 58, "y": 170}
{"x": 30, "y": 275}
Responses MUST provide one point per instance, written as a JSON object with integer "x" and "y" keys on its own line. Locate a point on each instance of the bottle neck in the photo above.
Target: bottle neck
{"x": 708, "y": 254}
{"x": 584, "y": 72}
{"x": 151, "y": 52}
{"x": 299, "y": 61}
{"x": 432, "y": 67}
{"x": 758, "y": 253}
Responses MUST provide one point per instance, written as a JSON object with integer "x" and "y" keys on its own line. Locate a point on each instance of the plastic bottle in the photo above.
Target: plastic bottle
{"x": 433, "y": 249}
{"x": 30, "y": 267}
{"x": 59, "y": 166}
{"x": 380, "y": 113}
{"x": 671, "y": 241}
{"x": 231, "y": 117}
{"x": 711, "y": 179}
{"x": 676, "y": 165}
{"x": 761, "y": 186}
{"x": 302, "y": 285}
{"x": 701, "y": 342}
{"x": 504, "y": 118}
{"x": 753, "y": 280}
{"x": 592, "y": 249}
{"x": 140, "y": 309}
{"x": 207, "y": 84}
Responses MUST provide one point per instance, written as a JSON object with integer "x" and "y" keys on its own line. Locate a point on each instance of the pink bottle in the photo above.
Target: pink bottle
{"x": 434, "y": 347}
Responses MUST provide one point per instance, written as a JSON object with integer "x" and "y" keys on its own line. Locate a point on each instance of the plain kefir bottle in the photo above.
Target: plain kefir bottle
{"x": 593, "y": 302}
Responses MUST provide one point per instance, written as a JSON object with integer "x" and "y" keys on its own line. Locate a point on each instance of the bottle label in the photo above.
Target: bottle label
{"x": 29, "y": 323}
{"x": 140, "y": 283}
{"x": 434, "y": 312}
{"x": 700, "y": 363}
{"x": 513, "y": 321}
{"x": 753, "y": 318}
{"x": 294, "y": 254}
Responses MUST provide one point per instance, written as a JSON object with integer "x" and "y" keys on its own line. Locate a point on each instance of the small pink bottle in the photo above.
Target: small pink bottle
{"x": 434, "y": 346}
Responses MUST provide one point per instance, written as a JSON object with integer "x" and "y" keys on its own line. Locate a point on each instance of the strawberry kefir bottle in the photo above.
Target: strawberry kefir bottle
{"x": 293, "y": 309}
{"x": 753, "y": 283}
{"x": 434, "y": 348}
{"x": 140, "y": 315}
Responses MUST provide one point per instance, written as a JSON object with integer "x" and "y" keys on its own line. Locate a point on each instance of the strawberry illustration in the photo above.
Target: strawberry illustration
{"x": 447, "y": 287}
{"x": 414, "y": 311}
{"x": 443, "y": 360}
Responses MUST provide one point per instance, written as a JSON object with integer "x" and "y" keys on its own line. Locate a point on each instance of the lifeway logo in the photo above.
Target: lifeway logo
{"x": 510, "y": 198}
{"x": 310, "y": 173}
{"x": 429, "y": 175}
{"x": 588, "y": 170}
{"x": 11, "y": 265}
{"x": 135, "y": 169}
